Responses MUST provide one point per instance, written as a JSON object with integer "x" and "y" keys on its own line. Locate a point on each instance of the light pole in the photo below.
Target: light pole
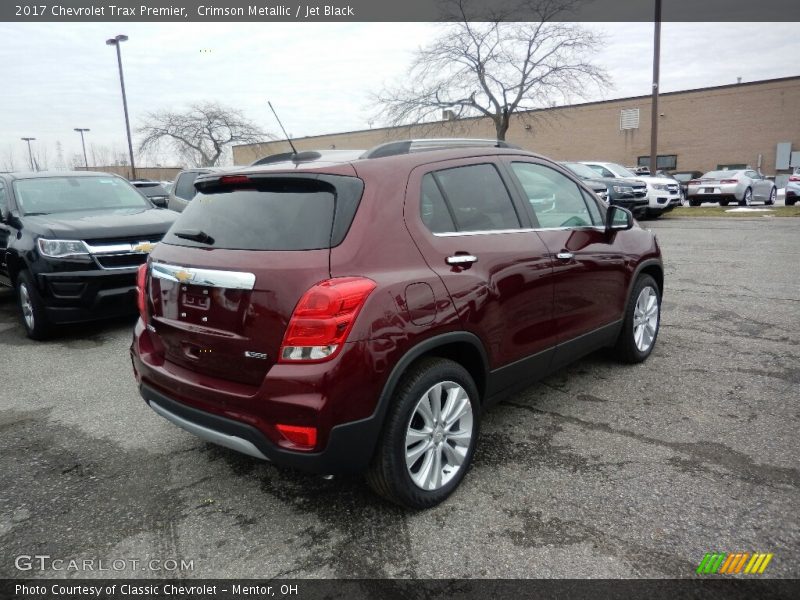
{"x": 116, "y": 41}
{"x": 30, "y": 154}
{"x": 654, "y": 107}
{"x": 83, "y": 143}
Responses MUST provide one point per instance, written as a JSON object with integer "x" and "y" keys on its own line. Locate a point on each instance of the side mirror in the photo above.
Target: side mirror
{"x": 159, "y": 201}
{"x": 618, "y": 219}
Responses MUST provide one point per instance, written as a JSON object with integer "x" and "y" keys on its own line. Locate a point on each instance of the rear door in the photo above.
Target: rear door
{"x": 474, "y": 235}
{"x": 588, "y": 264}
{"x": 227, "y": 276}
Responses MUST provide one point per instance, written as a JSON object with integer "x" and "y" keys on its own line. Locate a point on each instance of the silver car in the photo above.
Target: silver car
{"x": 744, "y": 186}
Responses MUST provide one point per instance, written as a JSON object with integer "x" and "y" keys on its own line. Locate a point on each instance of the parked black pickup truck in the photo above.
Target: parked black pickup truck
{"x": 70, "y": 245}
{"x": 627, "y": 193}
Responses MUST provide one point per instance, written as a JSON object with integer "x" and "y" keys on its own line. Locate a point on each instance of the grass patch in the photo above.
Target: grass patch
{"x": 720, "y": 211}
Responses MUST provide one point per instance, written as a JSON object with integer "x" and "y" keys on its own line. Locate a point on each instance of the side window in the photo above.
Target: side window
{"x": 3, "y": 198}
{"x": 751, "y": 174}
{"x": 433, "y": 208}
{"x": 556, "y": 200}
{"x": 478, "y": 198}
{"x": 596, "y": 210}
{"x": 184, "y": 187}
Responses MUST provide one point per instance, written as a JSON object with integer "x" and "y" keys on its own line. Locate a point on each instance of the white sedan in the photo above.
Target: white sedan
{"x": 744, "y": 186}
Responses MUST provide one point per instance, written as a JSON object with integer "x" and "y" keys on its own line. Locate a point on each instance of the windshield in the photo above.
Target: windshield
{"x": 580, "y": 170}
{"x": 47, "y": 195}
{"x": 620, "y": 171}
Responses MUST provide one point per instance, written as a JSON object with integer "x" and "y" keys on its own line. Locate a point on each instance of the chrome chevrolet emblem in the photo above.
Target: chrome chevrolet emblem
{"x": 183, "y": 276}
{"x": 144, "y": 247}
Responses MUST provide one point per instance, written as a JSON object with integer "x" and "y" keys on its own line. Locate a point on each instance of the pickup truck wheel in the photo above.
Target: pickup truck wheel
{"x": 429, "y": 436}
{"x": 641, "y": 321}
{"x": 31, "y": 308}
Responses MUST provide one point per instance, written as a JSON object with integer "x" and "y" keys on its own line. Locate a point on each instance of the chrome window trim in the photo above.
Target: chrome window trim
{"x": 232, "y": 280}
{"x": 526, "y": 230}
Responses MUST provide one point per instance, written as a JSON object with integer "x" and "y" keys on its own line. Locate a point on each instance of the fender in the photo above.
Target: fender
{"x": 378, "y": 417}
{"x": 648, "y": 262}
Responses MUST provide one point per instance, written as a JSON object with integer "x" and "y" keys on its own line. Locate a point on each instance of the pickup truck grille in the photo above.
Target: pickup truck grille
{"x": 640, "y": 191}
{"x": 673, "y": 188}
{"x": 122, "y": 253}
{"x": 121, "y": 261}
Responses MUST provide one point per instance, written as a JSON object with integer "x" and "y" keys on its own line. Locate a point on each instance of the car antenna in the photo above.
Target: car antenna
{"x": 288, "y": 139}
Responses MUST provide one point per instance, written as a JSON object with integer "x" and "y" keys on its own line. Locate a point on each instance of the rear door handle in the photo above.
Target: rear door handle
{"x": 565, "y": 256}
{"x": 461, "y": 259}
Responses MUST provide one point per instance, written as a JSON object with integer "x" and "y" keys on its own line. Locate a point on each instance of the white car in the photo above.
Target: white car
{"x": 663, "y": 193}
{"x": 744, "y": 186}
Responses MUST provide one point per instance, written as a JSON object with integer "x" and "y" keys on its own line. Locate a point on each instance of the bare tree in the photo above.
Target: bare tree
{"x": 200, "y": 135}
{"x": 9, "y": 159}
{"x": 496, "y": 68}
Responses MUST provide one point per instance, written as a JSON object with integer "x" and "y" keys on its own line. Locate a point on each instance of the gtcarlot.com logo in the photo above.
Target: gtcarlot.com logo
{"x": 733, "y": 563}
{"x": 45, "y": 562}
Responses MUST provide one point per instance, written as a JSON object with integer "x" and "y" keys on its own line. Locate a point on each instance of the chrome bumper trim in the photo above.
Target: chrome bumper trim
{"x": 215, "y": 437}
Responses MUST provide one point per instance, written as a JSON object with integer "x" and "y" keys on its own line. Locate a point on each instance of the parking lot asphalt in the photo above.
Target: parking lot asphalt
{"x": 601, "y": 470}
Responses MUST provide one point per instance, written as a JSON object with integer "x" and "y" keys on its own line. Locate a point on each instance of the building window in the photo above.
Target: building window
{"x": 664, "y": 162}
{"x": 733, "y": 167}
{"x": 629, "y": 118}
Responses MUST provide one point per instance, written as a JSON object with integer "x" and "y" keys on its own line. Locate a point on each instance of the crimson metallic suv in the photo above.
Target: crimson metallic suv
{"x": 358, "y": 312}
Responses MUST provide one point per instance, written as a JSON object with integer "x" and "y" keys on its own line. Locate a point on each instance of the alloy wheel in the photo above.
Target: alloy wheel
{"x": 645, "y": 319}
{"x": 438, "y": 435}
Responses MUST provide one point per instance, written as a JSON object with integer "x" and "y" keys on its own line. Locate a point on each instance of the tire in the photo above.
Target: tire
{"x": 790, "y": 201}
{"x": 389, "y": 473}
{"x": 724, "y": 202}
{"x": 772, "y": 195}
{"x": 747, "y": 198}
{"x": 627, "y": 348}
{"x": 694, "y": 202}
{"x": 31, "y": 308}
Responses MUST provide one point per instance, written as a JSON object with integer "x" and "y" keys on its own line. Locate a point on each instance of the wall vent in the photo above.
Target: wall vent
{"x": 629, "y": 118}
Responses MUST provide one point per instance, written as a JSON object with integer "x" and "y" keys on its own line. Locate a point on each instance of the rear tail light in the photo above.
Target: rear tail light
{"x": 794, "y": 178}
{"x": 300, "y": 436}
{"x": 729, "y": 181}
{"x": 234, "y": 180}
{"x": 323, "y": 318}
{"x": 141, "y": 290}
{"x": 695, "y": 182}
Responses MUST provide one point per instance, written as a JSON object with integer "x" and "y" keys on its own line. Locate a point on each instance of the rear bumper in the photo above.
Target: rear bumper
{"x": 348, "y": 449}
{"x": 78, "y": 296}
{"x": 334, "y": 397}
{"x": 713, "y": 197}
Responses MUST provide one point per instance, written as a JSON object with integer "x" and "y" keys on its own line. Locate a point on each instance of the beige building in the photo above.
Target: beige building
{"x": 702, "y": 129}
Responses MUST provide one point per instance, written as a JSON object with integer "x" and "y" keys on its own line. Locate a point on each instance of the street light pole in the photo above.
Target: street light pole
{"x": 30, "y": 154}
{"x": 654, "y": 107}
{"x": 83, "y": 143}
{"x": 116, "y": 41}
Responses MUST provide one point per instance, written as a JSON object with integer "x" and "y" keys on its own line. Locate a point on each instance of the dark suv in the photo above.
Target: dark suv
{"x": 360, "y": 315}
{"x": 71, "y": 243}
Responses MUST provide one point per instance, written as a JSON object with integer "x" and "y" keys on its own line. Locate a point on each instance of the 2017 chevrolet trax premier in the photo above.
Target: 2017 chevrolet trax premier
{"x": 358, "y": 313}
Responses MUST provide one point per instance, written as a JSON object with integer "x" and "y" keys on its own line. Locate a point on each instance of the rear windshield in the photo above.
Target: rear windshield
{"x": 720, "y": 175}
{"x": 151, "y": 189}
{"x": 47, "y": 195}
{"x": 276, "y": 213}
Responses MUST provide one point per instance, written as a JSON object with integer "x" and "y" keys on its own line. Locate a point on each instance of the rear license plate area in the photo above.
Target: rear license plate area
{"x": 195, "y": 298}
{"x": 708, "y": 190}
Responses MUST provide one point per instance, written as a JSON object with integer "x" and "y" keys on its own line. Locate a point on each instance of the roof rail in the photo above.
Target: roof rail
{"x": 420, "y": 145}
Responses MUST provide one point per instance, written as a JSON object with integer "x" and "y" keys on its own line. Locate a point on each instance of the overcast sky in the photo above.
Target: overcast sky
{"x": 318, "y": 75}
